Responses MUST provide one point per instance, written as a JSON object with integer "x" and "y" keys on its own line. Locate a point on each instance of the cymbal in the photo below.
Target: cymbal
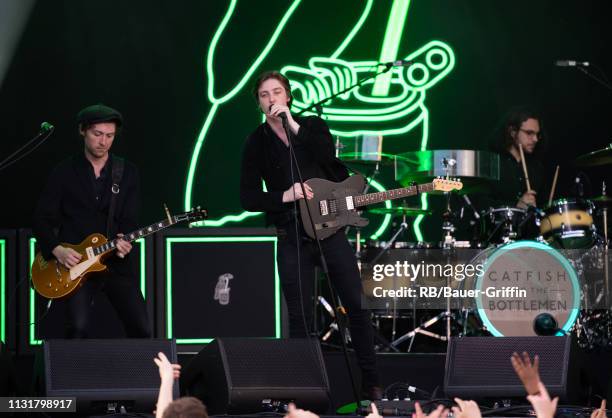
{"x": 595, "y": 158}
{"x": 602, "y": 201}
{"x": 399, "y": 211}
{"x": 367, "y": 158}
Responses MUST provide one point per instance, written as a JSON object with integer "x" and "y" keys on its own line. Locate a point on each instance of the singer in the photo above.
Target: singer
{"x": 76, "y": 202}
{"x": 266, "y": 157}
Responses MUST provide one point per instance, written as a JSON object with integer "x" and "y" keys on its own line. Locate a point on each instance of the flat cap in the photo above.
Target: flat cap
{"x": 99, "y": 113}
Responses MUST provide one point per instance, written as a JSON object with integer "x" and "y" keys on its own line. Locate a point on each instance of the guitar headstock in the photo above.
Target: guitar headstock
{"x": 194, "y": 215}
{"x": 444, "y": 184}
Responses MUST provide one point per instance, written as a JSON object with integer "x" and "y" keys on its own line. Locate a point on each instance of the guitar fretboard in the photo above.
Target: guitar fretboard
{"x": 133, "y": 236}
{"x": 371, "y": 198}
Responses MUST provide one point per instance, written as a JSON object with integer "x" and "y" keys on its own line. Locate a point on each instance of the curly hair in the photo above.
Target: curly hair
{"x": 512, "y": 122}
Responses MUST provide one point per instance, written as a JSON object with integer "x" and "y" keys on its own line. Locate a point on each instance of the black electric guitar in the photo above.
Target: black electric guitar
{"x": 336, "y": 205}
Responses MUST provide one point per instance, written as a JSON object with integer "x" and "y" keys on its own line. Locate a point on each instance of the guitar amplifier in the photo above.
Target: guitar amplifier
{"x": 217, "y": 283}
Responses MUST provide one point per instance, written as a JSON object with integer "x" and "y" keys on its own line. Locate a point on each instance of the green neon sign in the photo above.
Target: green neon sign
{"x": 32, "y": 293}
{"x": 169, "y": 297}
{"x": 392, "y": 104}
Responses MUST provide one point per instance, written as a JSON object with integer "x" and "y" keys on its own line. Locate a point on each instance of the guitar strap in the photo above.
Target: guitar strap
{"x": 117, "y": 175}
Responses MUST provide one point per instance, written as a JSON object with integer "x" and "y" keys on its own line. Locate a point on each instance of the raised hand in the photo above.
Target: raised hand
{"x": 601, "y": 411}
{"x": 375, "y": 414}
{"x": 167, "y": 370}
{"x": 543, "y": 406}
{"x": 527, "y": 371}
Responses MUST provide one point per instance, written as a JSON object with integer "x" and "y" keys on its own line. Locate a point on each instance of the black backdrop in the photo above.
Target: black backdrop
{"x": 147, "y": 58}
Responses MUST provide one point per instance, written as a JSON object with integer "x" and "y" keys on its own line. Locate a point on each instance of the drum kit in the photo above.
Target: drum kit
{"x": 570, "y": 239}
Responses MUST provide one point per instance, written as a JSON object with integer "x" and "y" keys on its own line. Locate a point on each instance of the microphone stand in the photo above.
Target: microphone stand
{"x": 318, "y": 105}
{"x": 15, "y": 157}
{"x": 340, "y": 311}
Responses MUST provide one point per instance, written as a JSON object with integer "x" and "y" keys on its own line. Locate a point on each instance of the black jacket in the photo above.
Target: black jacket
{"x": 266, "y": 158}
{"x": 69, "y": 209}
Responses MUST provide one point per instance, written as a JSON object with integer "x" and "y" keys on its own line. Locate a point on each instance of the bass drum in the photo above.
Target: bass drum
{"x": 522, "y": 283}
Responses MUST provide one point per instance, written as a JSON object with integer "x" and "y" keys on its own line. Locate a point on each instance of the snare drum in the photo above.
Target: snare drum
{"x": 550, "y": 284}
{"x": 569, "y": 224}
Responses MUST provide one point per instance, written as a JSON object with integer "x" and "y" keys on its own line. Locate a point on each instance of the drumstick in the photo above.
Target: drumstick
{"x": 554, "y": 185}
{"x": 524, "y": 166}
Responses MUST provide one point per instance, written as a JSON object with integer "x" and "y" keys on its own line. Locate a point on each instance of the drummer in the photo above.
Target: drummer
{"x": 521, "y": 126}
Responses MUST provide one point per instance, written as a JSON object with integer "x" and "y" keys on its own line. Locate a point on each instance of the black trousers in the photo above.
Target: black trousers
{"x": 345, "y": 279}
{"x": 124, "y": 296}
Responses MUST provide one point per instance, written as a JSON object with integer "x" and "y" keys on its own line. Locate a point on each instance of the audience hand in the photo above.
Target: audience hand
{"x": 601, "y": 411}
{"x": 167, "y": 370}
{"x": 439, "y": 412}
{"x": 527, "y": 371}
{"x": 466, "y": 409}
{"x": 375, "y": 414}
{"x": 542, "y": 404}
{"x": 293, "y": 412}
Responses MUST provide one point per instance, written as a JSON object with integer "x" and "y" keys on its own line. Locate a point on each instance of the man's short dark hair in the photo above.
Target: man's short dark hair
{"x": 277, "y": 76}
{"x": 185, "y": 407}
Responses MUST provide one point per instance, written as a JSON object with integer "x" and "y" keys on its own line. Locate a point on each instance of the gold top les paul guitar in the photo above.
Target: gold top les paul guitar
{"x": 53, "y": 280}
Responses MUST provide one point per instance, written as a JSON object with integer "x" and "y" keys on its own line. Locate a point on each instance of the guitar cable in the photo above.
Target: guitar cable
{"x": 14, "y": 294}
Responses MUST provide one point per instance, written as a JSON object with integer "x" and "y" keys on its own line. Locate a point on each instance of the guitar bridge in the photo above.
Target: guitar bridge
{"x": 327, "y": 207}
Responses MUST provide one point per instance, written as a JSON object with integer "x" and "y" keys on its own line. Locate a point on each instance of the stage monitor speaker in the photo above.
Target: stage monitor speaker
{"x": 480, "y": 367}
{"x": 251, "y": 375}
{"x": 106, "y": 374}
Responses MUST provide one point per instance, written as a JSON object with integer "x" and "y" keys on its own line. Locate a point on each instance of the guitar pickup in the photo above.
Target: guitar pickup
{"x": 323, "y": 208}
{"x": 349, "y": 203}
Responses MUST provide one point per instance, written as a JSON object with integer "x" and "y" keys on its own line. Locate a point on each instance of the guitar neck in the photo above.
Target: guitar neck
{"x": 133, "y": 236}
{"x": 372, "y": 198}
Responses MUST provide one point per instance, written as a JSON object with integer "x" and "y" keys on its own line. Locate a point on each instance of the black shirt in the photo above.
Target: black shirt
{"x": 511, "y": 185}
{"x": 74, "y": 204}
{"x": 265, "y": 157}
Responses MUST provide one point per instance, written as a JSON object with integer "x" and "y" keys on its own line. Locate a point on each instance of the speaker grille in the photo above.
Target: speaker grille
{"x": 104, "y": 364}
{"x": 480, "y": 366}
{"x": 259, "y": 363}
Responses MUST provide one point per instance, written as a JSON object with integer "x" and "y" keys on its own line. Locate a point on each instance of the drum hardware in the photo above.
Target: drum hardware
{"x": 475, "y": 168}
{"x": 448, "y": 245}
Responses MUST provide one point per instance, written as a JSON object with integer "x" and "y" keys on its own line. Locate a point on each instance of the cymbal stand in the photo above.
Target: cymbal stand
{"x": 403, "y": 227}
{"x": 448, "y": 245}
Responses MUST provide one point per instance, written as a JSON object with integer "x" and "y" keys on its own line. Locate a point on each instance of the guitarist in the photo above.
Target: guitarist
{"x": 75, "y": 202}
{"x": 266, "y": 157}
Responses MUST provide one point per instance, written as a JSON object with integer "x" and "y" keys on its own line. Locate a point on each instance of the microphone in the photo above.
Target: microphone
{"x": 46, "y": 127}
{"x": 398, "y": 63}
{"x": 283, "y": 116}
{"x": 571, "y": 63}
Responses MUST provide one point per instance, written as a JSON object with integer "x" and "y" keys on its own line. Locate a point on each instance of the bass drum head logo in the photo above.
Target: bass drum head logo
{"x": 551, "y": 284}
